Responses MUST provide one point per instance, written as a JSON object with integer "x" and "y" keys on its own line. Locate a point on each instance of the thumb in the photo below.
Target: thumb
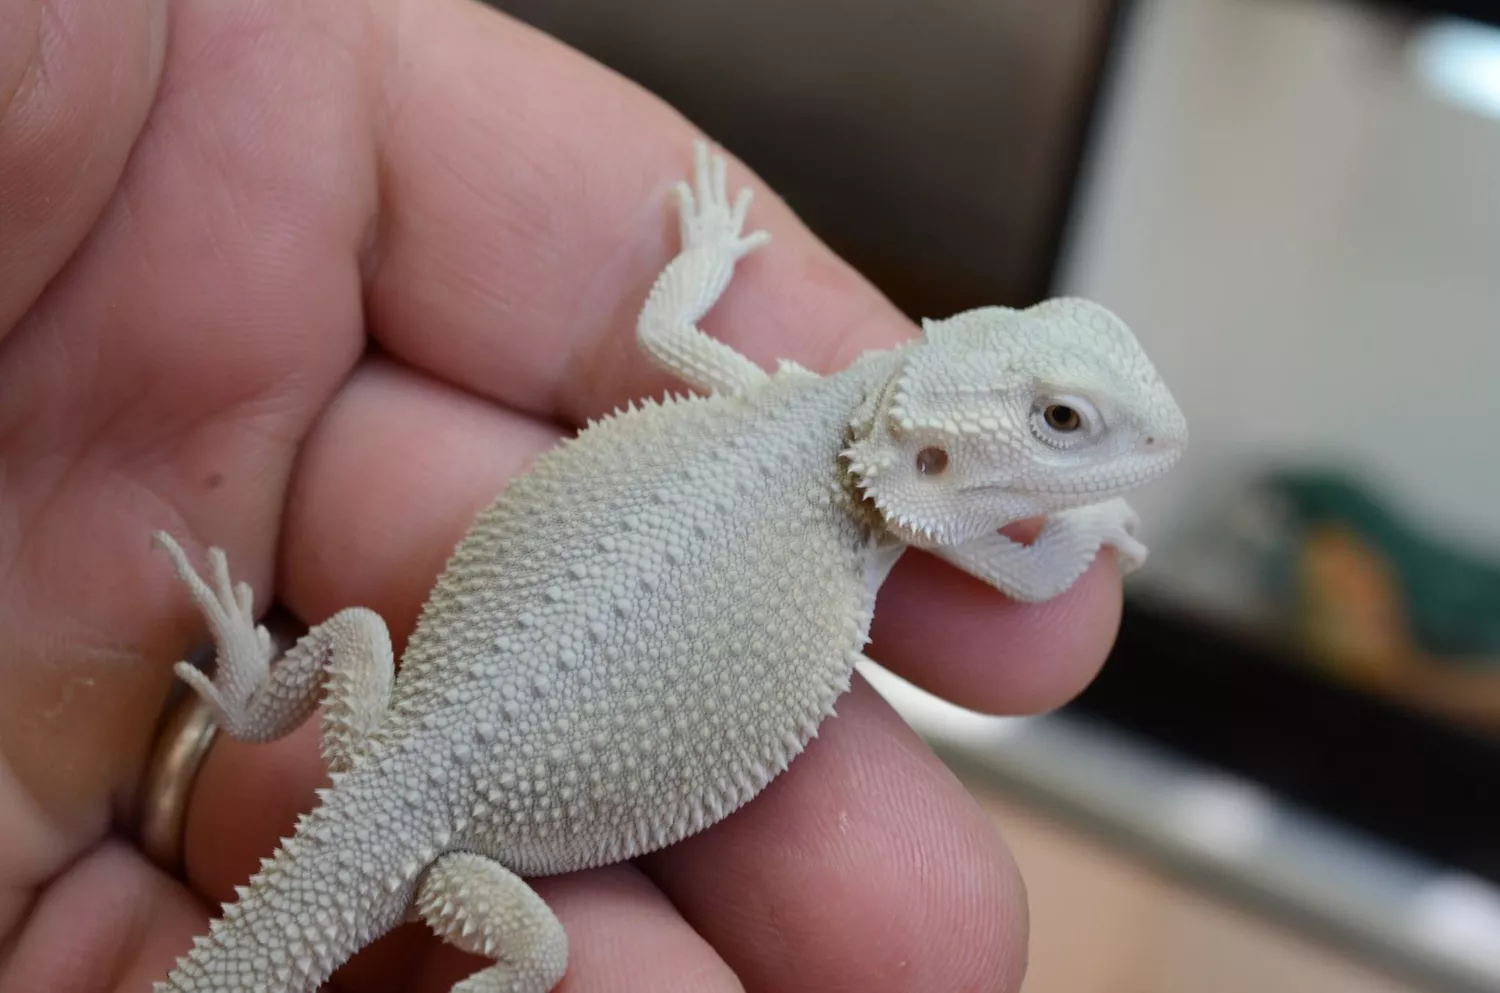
{"x": 77, "y": 78}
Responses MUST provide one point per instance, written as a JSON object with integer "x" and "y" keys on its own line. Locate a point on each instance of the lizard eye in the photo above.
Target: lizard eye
{"x": 932, "y": 461}
{"x": 1065, "y": 422}
{"x": 1061, "y": 417}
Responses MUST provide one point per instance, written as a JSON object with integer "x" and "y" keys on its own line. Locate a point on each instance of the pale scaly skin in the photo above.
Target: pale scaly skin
{"x": 648, "y": 626}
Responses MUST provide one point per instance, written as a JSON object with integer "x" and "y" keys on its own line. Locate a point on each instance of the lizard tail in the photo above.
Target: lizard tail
{"x": 337, "y": 884}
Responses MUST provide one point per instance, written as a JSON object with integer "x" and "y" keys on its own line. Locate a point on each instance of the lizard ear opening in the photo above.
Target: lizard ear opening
{"x": 932, "y": 461}
{"x": 910, "y": 482}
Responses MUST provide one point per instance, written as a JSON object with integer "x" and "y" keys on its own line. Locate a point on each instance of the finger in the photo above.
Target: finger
{"x": 76, "y": 81}
{"x": 865, "y": 867}
{"x": 990, "y": 653}
{"x": 109, "y": 921}
{"x": 624, "y": 936}
{"x": 515, "y": 263}
{"x": 686, "y": 206}
{"x": 721, "y": 180}
{"x": 223, "y": 586}
{"x": 742, "y": 202}
{"x": 702, "y": 159}
{"x": 396, "y": 469}
{"x": 754, "y": 240}
{"x": 163, "y": 380}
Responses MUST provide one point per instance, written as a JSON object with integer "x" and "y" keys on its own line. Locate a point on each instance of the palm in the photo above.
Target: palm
{"x": 193, "y": 259}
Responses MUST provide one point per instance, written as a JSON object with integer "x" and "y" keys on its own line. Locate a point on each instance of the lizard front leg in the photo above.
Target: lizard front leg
{"x": 478, "y": 905}
{"x": 693, "y": 282}
{"x": 1061, "y": 553}
{"x": 255, "y": 701}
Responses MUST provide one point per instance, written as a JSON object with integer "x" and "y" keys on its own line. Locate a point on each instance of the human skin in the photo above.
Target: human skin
{"x": 311, "y": 280}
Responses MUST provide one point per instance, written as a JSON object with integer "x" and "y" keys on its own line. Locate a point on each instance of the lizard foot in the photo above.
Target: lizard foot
{"x": 1119, "y": 527}
{"x": 244, "y": 648}
{"x": 708, "y": 219}
{"x": 481, "y": 907}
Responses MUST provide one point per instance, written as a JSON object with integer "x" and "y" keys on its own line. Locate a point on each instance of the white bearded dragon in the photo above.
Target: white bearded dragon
{"x": 645, "y": 628}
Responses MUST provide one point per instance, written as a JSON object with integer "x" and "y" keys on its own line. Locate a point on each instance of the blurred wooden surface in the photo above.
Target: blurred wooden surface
{"x": 1103, "y": 923}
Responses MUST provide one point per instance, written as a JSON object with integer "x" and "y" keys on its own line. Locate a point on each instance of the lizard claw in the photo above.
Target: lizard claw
{"x": 244, "y": 648}
{"x": 707, "y": 217}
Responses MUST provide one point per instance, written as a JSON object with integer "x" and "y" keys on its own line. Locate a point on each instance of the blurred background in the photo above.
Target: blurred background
{"x": 1288, "y": 777}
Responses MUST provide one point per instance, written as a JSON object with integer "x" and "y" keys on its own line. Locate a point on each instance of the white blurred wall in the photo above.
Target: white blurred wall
{"x": 1307, "y": 239}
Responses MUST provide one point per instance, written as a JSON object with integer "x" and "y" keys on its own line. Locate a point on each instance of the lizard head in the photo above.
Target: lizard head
{"x": 995, "y": 415}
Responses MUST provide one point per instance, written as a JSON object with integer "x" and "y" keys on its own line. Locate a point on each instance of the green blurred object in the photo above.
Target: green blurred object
{"x": 1452, "y": 596}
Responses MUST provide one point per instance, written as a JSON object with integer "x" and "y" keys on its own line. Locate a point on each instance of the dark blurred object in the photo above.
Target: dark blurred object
{"x": 933, "y": 145}
{"x": 1487, "y": 11}
{"x": 1246, "y": 708}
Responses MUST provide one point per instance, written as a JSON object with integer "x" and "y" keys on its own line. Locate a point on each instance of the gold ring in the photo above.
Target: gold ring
{"x": 182, "y": 743}
{"x": 183, "y": 740}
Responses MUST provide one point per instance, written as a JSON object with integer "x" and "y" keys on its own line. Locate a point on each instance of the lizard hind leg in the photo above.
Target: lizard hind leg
{"x": 349, "y": 654}
{"x": 476, "y": 904}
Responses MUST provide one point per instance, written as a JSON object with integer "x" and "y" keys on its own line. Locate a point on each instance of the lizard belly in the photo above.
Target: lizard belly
{"x": 667, "y": 748}
{"x": 636, "y": 662}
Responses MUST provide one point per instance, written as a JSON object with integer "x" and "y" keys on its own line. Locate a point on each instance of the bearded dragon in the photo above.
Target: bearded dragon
{"x": 645, "y": 628}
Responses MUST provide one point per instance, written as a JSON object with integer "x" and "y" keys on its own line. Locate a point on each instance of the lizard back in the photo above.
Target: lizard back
{"x": 644, "y": 629}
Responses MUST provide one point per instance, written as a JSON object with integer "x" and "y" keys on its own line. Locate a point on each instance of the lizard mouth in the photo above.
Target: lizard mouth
{"x": 1082, "y": 483}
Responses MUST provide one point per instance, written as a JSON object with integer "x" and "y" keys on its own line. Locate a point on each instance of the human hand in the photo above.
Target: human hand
{"x": 209, "y": 213}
